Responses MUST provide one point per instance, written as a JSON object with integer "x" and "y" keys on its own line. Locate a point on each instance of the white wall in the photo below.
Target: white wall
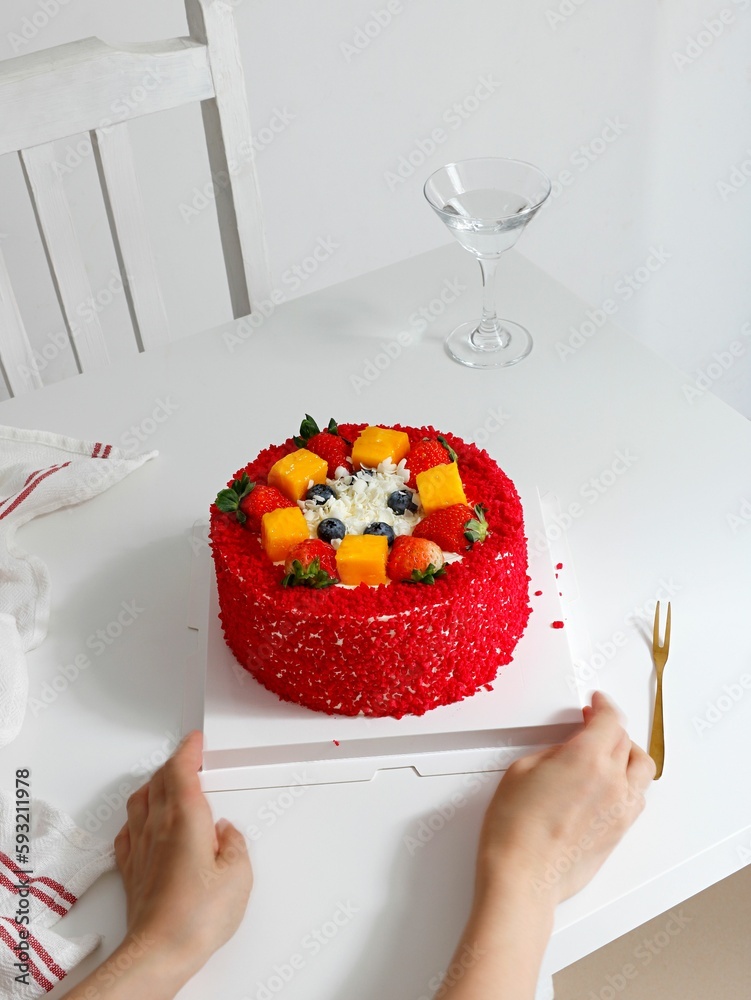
{"x": 700, "y": 200}
{"x": 592, "y": 93}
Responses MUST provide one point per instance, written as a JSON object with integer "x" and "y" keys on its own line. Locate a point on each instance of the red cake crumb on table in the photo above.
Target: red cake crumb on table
{"x": 556, "y": 624}
{"x": 538, "y": 593}
{"x": 559, "y": 566}
{"x": 387, "y": 650}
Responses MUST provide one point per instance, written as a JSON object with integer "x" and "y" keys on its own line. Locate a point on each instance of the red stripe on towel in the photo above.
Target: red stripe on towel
{"x": 42, "y": 879}
{"x": 30, "y": 489}
{"x": 41, "y": 979}
{"x": 48, "y": 900}
{"x": 32, "y": 474}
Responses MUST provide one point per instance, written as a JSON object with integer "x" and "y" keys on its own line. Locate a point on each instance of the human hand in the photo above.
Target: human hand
{"x": 187, "y": 881}
{"x": 557, "y": 814}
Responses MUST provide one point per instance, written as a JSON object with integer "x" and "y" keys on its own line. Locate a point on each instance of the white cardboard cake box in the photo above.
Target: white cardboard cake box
{"x": 254, "y": 740}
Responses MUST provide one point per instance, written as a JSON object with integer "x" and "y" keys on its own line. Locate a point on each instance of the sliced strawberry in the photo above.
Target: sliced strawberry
{"x": 415, "y": 560}
{"x": 426, "y": 454}
{"x": 327, "y": 444}
{"x": 312, "y": 563}
{"x": 455, "y": 528}
{"x": 250, "y": 501}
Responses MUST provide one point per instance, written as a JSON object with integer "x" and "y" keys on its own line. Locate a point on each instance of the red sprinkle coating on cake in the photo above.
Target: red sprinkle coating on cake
{"x": 384, "y": 650}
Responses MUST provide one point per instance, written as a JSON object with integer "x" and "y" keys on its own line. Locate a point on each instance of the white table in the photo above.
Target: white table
{"x": 660, "y": 527}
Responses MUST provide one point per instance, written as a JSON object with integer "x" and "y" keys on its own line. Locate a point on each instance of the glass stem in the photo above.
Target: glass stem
{"x": 489, "y": 335}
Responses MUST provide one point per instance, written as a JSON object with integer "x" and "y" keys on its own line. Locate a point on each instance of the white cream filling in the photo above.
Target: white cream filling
{"x": 361, "y": 500}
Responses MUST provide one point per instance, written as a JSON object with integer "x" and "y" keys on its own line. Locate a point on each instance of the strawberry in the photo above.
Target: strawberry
{"x": 415, "y": 560}
{"x": 455, "y": 528}
{"x": 426, "y": 454}
{"x": 327, "y": 444}
{"x": 250, "y": 501}
{"x": 310, "y": 564}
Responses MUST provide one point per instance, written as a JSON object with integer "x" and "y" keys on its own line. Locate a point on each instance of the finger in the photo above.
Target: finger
{"x": 602, "y": 704}
{"x": 604, "y": 725}
{"x": 156, "y": 790}
{"x": 191, "y": 743}
{"x": 138, "y": 810}
{"x": 158, "y": 783}
{"x": 233, "y": 850}
{"x": 641, "y": 769}
{"x": 180, "y": 773}
{"x": 530, "y": 760}
{"x": 622, "y": 750}
{"x": 122, "y": 847}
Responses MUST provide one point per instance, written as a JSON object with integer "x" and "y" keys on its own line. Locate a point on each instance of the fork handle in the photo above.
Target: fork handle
{"x": 657, "y": 742}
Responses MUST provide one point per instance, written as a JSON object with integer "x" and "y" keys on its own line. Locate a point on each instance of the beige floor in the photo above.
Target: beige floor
{"x": 702, "y": 953}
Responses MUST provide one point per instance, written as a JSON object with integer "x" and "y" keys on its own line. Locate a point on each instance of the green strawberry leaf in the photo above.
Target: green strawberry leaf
{"x": 308, "y": 428}
{"x": 428, "y": 575}
{"x": 333, "y": 428}
{"x": 308, "y": 576}
{"x": 447, "y": 446}
{"x": 228, "y": 500}
{"x": 476, "y": 529}
{"x": 244, "y": 485}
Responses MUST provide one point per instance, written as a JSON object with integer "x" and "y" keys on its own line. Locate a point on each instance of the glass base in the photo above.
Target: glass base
{"x": 459, "y": 346}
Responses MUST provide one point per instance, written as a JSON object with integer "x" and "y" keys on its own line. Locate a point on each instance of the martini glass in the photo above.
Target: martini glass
{"x": 486, "y": 203}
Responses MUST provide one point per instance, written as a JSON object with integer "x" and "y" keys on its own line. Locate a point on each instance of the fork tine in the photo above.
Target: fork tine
{"x": 656, "y": 631}
{"x": 667, "y": 632}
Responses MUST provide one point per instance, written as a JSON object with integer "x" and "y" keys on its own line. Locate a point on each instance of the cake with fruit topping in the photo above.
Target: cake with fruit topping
{"x": 372, "y": 570}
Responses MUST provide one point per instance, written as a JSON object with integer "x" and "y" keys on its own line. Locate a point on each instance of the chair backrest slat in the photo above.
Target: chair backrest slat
{"x": 16, "y": 357}
{"x": 127, "y": 222}
{"x": 87, "y": 84}
{"x": 64, "y": 257}
{"x": 226, "y": 123}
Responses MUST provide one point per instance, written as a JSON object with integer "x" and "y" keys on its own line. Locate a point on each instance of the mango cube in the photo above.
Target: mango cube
{"x": 291, "y": 474}
{"x": 375, "y": 444}
{"x": 440, "y": 487}
{"x": 362, "y": 559}
{"x": 281, "y": 530}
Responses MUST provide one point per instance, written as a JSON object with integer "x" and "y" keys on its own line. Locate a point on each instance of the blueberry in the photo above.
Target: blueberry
{"x": 320, "y": 494}
{"x": 381, "y": 528}
{"x": 331, "y": 528}
{"x": 400, "y": 501}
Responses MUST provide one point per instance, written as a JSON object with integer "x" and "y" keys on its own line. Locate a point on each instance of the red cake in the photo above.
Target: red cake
{"x": 445, "y": 602}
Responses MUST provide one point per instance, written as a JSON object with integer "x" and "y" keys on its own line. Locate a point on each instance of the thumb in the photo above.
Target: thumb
{"x": 232, "y": 848}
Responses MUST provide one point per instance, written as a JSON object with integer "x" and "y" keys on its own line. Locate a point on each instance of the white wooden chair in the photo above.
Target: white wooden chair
{"x": 62, "y": 91}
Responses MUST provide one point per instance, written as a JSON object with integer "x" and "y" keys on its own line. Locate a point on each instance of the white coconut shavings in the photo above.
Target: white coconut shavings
{"x": 361, "y": 500}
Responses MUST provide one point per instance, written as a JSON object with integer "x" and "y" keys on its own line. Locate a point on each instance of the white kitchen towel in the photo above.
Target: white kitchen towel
{"x": 39, "y": 472}
{"x": 46, "y": 863}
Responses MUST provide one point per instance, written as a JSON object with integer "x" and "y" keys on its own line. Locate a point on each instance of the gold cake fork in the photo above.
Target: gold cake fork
{"x": 660, "y": 656}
